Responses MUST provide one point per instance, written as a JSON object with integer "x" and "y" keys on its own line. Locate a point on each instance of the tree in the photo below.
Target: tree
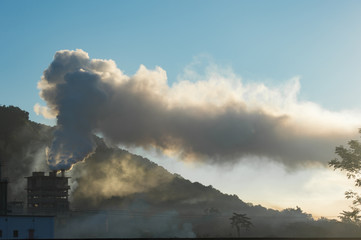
{"x": 240, "y": 220}
{"x": 350, "y": 161}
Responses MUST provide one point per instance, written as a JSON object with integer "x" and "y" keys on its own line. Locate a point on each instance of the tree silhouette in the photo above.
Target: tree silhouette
{"x": 350, "y": 161}
{"x": 11, "y": 119}
{"x": 240, "y": 220}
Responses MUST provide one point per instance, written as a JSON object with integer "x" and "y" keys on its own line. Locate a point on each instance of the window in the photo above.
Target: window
{"x": 15, "y": 233}
{"x": 1, "y": 233}
{"x": 31, "y": 233}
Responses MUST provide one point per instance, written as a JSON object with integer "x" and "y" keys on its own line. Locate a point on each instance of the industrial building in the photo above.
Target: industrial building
{"x": 26, "y": 227}
{"x": 23, "y": 226}
{"x": 47, "y": 194}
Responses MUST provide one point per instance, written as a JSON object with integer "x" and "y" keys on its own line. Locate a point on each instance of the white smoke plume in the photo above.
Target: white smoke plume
{"x": 217, "y": 119}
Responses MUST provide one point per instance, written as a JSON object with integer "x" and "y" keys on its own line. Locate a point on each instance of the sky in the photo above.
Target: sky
{"x": 307, "y": 51}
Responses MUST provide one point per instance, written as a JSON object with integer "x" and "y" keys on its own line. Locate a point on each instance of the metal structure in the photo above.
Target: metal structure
{"x": 47, "y": 194}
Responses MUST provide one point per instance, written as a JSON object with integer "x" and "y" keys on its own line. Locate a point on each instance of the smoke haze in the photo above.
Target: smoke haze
{"x": 22, "y": 148}
{"x": 117, "y": 194}
{"x": 217, "y": 119}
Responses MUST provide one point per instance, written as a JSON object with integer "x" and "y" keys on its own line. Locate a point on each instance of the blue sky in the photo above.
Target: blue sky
{"x": 266, "y": 42}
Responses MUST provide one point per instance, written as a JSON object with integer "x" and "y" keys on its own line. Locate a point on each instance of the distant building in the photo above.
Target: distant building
{"x": 15, "y": 208}
{"x": 47, "y": 194}
{"x": 21, "y": 226}
{"x": 26, "y": 227}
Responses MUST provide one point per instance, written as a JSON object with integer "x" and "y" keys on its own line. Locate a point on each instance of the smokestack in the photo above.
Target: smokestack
{"x": 52, "y": 173}
{"x": 62, "y": 172}
{"x": 3, "y": 195}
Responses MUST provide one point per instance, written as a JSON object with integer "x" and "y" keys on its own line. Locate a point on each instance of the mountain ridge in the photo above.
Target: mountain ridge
{"x": 134, "y": 191}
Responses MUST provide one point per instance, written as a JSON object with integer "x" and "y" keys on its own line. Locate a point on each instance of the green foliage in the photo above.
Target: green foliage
{"x": 11, "y": 118}
{"x": 352, "y": 216}
{"x": 22, "y": 144}
{"x": 350, "y": 161}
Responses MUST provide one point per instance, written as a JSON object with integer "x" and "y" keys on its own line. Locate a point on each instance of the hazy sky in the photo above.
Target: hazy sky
{"x": 258, "y": 43}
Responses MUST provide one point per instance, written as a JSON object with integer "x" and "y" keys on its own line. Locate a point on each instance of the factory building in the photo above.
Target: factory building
{"x": 22, "y": 226}
{"x": 47, "y": 194}
{"x": 26, "y": 227}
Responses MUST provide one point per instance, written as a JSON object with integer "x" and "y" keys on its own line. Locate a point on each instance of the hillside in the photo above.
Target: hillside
{"x": 22, "y": 148}
{"x": 113, "y": 188}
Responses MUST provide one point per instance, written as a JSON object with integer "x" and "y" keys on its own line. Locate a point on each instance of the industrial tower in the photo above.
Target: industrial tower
{"x": 47, "y": 194}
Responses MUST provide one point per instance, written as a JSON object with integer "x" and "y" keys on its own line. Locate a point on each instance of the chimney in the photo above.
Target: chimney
{"x": 52, "y": 173}
{"x": 3, "y": 197}
{"x": 62, "y": 172}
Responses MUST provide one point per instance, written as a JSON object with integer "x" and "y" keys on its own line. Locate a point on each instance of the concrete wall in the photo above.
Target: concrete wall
{"x": 26, "y": 227}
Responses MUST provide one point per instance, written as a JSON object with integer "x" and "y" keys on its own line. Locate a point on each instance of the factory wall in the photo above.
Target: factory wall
{"x": 26, "y": 227}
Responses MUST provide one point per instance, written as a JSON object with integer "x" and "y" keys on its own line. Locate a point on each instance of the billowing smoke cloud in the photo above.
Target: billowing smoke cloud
{"x": 217, "y": 119}
{"x": 113, "y": 173}
{"x": 76, "y": 96}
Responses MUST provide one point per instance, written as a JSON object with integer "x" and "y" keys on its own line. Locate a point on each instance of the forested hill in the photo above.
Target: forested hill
{"x": 22, "y": 147}
{"x": 137, "y": 192}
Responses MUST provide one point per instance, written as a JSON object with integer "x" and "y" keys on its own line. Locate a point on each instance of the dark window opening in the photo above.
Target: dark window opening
{"x": 1, "y": 233}
{"x": 15, "y": 233}
{"x": 31, "y": 233}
